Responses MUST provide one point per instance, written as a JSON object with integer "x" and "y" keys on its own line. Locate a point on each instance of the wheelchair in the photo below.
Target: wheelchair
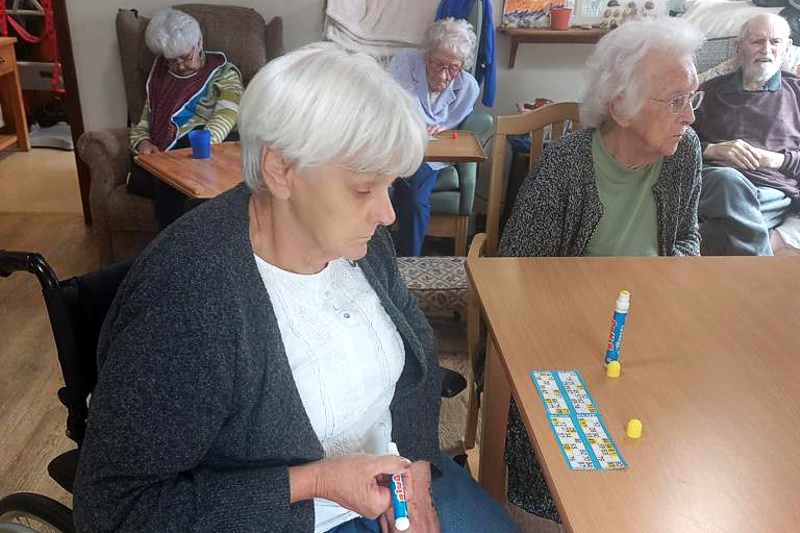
{"x": 77, "y": 307}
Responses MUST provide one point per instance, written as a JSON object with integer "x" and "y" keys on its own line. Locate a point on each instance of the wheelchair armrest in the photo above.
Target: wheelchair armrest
{"x": 34, "y": 263}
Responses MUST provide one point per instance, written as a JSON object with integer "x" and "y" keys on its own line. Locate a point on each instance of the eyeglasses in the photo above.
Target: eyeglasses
{"x": 182, "y": 60}
{"x": 438, "y": 68}
{"x": 678, "y": 104}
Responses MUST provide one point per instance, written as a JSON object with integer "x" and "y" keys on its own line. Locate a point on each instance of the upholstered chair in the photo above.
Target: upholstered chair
{"x": 123, "y": 222}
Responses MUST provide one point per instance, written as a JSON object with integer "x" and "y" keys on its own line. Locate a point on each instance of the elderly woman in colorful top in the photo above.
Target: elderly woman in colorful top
{"x": 263, "y": 350}
{"x": 444, "y": 94}
{"x": 188, "y": 88}
{"x": 627, "y": 185}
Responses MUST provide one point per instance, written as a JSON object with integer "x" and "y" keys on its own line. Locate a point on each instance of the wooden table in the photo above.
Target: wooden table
{"x": 16, "y": 124}
{"x": 710, "y": 364}
{"x": 197, "y": 178}
{"x": 544, "y": 35}
{"x": 206, "y": 178}
{"x": 464, "y": 147}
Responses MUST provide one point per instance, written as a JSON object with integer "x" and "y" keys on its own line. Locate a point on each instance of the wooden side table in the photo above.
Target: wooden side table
{"x": 16, "y": 125}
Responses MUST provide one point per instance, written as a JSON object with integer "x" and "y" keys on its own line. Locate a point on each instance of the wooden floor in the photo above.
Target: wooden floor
{"x": 32, "y": 421}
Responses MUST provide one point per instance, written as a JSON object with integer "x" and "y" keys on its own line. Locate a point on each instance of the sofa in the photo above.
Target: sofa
{"x": 123, "y": 222}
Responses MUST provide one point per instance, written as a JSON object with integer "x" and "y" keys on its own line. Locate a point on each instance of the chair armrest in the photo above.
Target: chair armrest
{"x": 478, "y": 246}
{"x": 480, "y": 123}
{"x": 106, "y": 154}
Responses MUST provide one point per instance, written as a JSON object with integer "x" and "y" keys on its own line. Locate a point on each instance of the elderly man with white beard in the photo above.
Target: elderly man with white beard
{"x": 749, "y": 129}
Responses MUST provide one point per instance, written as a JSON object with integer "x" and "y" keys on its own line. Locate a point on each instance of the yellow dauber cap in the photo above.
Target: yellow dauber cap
{"x": 634, "y": 428}
{"x": 613, "y": 369}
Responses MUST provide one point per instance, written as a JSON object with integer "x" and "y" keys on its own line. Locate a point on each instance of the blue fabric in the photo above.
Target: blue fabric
{"x": 485, "y": 66}
{"x": 412, "y": 203}
{"x": 520, "y": 143}
{"x": 460, "y": 503}
{"x": 736, "y": 215}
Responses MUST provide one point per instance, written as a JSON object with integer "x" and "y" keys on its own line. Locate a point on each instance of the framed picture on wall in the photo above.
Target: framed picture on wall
{"x": 525, "y": 13}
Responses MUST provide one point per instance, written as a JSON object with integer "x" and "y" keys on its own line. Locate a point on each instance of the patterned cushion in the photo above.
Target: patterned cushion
{"x": 439, "y": 283}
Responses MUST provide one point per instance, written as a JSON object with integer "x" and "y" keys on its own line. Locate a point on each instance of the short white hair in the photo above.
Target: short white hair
{"x": 172, "y": 33}
{"x": 614, "y": 70}
{"x": 321, "y": 104}
{"x": 776, "y": 19}
{"x": 454, "y": 36}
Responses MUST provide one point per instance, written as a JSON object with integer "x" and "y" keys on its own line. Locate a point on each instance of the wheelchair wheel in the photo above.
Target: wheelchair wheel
{"x": 33, "y": 513}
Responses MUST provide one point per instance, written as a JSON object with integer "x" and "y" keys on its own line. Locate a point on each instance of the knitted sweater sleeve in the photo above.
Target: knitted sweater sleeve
{"x": 228, "y": 89}
{"x": 535, "y": 226}
{"x": 165, "y": 396}
{"x": 687, "y": 238}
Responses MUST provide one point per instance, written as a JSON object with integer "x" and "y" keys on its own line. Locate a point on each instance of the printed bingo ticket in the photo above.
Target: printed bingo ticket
{"x": 576, "y": 421}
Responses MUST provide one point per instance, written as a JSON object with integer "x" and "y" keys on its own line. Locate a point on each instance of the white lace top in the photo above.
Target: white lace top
{"x": 346, "y": 356}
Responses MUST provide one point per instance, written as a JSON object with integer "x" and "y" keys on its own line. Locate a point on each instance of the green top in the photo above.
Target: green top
{"x": 628, "y": 225}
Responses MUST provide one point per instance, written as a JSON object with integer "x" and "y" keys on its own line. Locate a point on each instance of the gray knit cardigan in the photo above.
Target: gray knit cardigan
{"x": 558, "y": 206}
{"x": 196, "y": 417}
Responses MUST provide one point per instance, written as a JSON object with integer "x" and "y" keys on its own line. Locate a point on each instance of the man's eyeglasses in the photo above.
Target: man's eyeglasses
{"x": 437, "y": 67}
{"x": 678, "y": 104}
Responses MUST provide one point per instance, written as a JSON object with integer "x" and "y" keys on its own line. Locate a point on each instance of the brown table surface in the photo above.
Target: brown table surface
{"x": 206, "y": 178}
{"x": 198, "y": 178}
{"x": 710, "y": 364}
{"x": 446, "y": 149}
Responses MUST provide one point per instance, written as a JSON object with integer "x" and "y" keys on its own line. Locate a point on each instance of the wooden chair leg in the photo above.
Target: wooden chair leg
{"x": 461, "y": 235}
{"x": 473, "y": 345}
{"x": 472, "y": 416}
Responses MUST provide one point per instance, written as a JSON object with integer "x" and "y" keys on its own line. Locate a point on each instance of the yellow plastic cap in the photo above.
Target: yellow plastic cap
{"x": 634, "y": 428}
{"x": 613, "y": 369}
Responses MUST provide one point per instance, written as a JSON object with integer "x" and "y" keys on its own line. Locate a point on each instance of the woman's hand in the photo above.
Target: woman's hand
{"x": 433, "y": 129}
{"x": 356, "y": 482}
{"x": 146, "y": 147}
{"x": 421, "y": 512}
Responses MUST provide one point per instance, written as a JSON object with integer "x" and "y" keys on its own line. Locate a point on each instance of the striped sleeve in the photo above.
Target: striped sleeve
{"x": 141, "y": 130}
{"x": 227, "y": 87}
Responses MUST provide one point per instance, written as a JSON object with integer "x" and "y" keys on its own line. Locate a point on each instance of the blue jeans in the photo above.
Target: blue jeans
{"x": 461, "y": 504}
{"x": 735, "y": 215}
{"x": 412, "y": 202}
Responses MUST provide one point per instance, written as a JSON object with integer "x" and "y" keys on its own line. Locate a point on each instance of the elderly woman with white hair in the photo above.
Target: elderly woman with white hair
{"x": 444, "y": 94}
{"x": 627, "y": 185}
{"x": 263, "y": 351}
{"x": 188, "y": 88}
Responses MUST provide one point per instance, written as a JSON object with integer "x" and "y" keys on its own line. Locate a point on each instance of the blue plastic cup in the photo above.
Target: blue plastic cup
{"x": 201, "y": 143}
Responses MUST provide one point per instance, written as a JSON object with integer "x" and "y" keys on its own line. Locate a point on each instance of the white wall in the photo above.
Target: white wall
{"x": 542, "y": 70}
{"x": 94, "y": 43}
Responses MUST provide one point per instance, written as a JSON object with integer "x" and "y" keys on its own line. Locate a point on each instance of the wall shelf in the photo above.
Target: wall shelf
{"x": 543, "y": 35}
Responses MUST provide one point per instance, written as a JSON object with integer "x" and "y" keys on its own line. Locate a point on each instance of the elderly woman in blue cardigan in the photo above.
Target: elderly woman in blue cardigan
{"x": 263, "y": 351}
{"x": 627, "y": 185}
{"x": 444, "y": 94}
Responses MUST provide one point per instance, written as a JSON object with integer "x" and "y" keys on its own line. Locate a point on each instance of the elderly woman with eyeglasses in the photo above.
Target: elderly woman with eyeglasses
{"x": 627, "y": 185}
{"x": 188, "y": 88}
{"x": 445, "y": 94}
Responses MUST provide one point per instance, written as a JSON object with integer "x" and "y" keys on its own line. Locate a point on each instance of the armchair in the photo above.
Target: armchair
{"x": 123, "y": 222}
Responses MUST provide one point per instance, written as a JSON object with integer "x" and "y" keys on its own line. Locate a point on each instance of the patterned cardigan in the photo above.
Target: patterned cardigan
{"x": 558, "y": 206}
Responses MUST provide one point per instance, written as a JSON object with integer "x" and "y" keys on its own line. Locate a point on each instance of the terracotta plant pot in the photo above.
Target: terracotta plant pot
{"x": 559, "y": 18}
